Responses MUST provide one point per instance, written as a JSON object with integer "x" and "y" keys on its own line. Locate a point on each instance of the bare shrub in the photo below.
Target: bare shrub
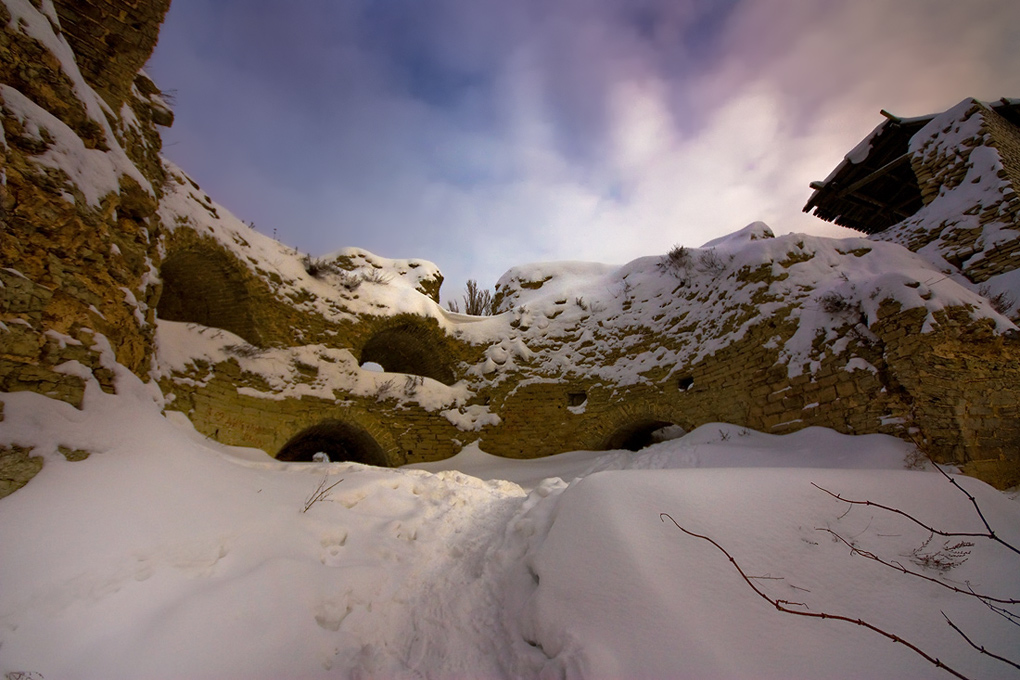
{"x": 1002, "y": 302}
{"x": 836, "y": 303}
{"x": 383, "y": 389}
{"x": 477, "y": 302}
{"x": 412, "y": 383}
{"x": 246, "y": 350}
{"x": 318, "y": 268}
{"x": 376, "y": 276}
{"x": 710, "y": 262}
{"x": 677, "y": 261}
{"x": 347, "y": 280}
{"x": 940, "y": 559}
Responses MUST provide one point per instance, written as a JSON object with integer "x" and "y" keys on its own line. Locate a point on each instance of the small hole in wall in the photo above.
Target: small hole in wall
{"x": 685, "y": 383}
{"x": 577, "y": 398}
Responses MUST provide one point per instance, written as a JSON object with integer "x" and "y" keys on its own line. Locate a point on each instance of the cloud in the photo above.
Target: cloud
{"x": 482, "y": 134}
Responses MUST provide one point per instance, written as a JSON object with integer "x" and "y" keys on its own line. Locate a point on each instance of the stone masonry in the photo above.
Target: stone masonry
{"x": 85, "y": 280}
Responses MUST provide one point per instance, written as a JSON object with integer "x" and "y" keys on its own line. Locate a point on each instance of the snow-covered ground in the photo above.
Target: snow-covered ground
{"x": 166, "y": 555}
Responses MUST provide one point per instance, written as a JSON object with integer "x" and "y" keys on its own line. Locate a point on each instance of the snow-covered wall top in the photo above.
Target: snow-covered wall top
{"x": 967, "y": 162}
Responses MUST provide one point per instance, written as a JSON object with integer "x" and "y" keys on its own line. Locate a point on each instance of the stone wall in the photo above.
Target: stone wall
{"x": 112, "y": 40}
{"x": 941, "y": 168}
{"x": 76, "y": 268}
{"x": 79, "y": 286}
{"x": 953, "y": 390}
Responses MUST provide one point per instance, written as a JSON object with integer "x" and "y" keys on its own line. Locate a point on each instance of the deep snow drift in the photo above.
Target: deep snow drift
{"x": 166, "y": 555}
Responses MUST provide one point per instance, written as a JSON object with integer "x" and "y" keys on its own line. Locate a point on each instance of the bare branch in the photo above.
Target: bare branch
{"x": 783, "y": 605}
{"x": 1001, "y": 611}
{"x": 970, "y": 497}
{"x": 989, "y": 534}
{"x": 980, "y": 648}
{"x": 977, "y": 508}
{"x": 899, "y": 567}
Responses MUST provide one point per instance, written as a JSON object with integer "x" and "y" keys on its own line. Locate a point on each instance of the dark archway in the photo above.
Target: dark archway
{"x": 340, "y": 440}
{"x": 408, "y": 348}
{"x": 205, "y": 287}
{"x": 634, "y": 436}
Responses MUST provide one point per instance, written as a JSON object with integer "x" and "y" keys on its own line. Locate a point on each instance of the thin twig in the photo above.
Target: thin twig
{"x": 980, "y": 648}
{"x": 970, "y": 497}
{"x": 779, "y": 604}
{"x": 977, "y": 508}
{"x": 1011, "y": 617}
{"x": 321, "y": 493}
{"x": 989, "y": 534}
{"x": 899, "y": 567}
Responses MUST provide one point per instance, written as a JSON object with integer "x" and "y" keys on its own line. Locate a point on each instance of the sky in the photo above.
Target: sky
{"x": 483, "y": 134}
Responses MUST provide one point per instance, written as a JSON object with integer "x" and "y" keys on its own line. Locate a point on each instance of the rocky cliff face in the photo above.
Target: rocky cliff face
{"x": 81, "y": 183}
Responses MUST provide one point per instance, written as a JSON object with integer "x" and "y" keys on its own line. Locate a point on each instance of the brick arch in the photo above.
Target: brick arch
{"x": 204, "y": 286}
{"x": 342, "y": 440}
{"x": 631, "y": 426}
{"x": 411, "y": 345}
{"x": 634, "y": 435}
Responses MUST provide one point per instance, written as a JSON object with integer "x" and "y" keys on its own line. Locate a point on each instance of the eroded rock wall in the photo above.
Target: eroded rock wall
{"x": 557, "y": 374}
{"x": 78, "y": 247}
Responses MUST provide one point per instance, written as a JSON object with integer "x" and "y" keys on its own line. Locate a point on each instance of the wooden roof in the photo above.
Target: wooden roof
{"x": 875, "y": 187}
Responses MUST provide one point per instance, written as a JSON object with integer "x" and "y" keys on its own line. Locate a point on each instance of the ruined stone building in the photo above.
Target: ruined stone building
{"x": 260, "y": 346}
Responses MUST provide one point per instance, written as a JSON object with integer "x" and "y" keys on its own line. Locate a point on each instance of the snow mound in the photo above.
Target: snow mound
{"x": 756, "y": 231}
{"x": 166, "y": 555}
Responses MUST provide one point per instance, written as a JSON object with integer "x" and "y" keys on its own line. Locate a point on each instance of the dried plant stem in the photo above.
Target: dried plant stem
{"x": 784, "y": 605}
{"x": 989, "y": 534}
{"x": 321, "y": 493}
{"x": 899, "y": 567}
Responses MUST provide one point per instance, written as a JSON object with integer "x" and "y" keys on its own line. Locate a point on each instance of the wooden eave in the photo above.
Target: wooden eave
{"x": 881, "y": 189}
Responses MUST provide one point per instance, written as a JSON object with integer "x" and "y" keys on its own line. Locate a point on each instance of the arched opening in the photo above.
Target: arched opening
{"x": 635, "y": 435}
{"x": 408, "y": 348}
{"x": 341, "y": 441}
{"x": 204, "y": 287}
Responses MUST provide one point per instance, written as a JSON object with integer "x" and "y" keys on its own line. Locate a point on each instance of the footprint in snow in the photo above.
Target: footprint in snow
{"x": 331, "y": 613}
{"x": 332, "y": 555}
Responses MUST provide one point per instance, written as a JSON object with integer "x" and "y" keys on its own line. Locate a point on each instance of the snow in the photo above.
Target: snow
{"x": 166, "y": 555}
{"x": 187, "y": 349}
{"x": 756, "y": 231}
{"x": 958, "y": 209}
{"x": 381, "y": 283}
{"x": 92, "y": 171}
{"x": 95, "y": 173}
{"x": 471, "y": 418}
{"x": 575, "y": 318}
{"x": 39, "y": 20}
{"x": 568, "y": 320}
